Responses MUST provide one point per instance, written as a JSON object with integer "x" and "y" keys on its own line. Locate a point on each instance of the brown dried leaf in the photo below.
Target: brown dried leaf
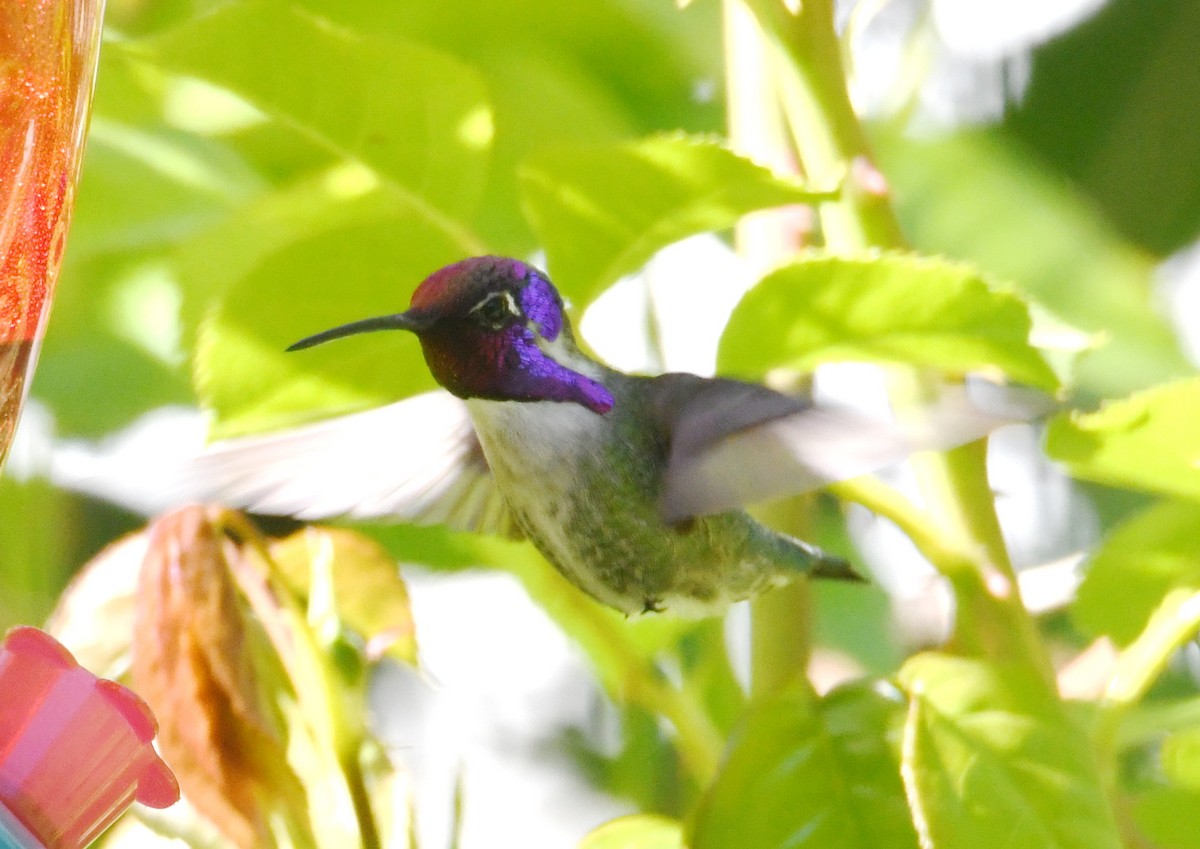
{"x": 194, "y": 662}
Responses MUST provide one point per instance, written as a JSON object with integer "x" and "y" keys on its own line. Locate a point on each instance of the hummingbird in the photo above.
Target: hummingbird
{"x": 632, "y": 487}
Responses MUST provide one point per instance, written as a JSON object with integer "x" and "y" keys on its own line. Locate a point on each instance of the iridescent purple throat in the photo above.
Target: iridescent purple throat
{"x": 538, "y": 375}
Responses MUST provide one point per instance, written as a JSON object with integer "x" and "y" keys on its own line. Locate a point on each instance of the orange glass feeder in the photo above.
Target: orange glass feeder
{"x": 48, "y": 52}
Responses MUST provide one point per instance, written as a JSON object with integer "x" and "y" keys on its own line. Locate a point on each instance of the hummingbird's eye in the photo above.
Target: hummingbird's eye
{"x": 496, "y": 310}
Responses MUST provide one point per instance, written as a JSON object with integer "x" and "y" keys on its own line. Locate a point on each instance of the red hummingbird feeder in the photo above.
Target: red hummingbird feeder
{"x": 75, "y": 750}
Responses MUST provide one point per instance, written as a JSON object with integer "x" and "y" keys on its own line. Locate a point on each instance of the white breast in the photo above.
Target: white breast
{"x": 535, "y": 450}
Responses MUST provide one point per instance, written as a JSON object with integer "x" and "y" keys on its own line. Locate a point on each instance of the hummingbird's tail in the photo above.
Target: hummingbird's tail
{"x": 828, "y": 566}
{"x": 810, "y": 560}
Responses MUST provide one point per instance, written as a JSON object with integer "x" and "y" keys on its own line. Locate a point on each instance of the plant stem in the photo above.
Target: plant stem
{"x": 626, "y": 672}
{"x": 831, "y": 144}
{"x": 360, "y": 797}
{"x": 1153, "y": 721}
{"x": 334, "y": 714}
{"x": 781, "y": 630}
{"x": 1175, "y": 621}
{"x": 756, "y": 129}
{"x": 780, "y": 638}
{"x": 828, "y": 136}
{"x": 947, "y": 556}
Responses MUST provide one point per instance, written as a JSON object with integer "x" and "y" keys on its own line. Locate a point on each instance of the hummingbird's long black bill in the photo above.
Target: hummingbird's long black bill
{"x": 398, "y": 321}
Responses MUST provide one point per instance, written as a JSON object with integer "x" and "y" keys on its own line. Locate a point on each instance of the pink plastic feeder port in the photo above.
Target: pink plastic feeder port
{"x": 75, "y": 750}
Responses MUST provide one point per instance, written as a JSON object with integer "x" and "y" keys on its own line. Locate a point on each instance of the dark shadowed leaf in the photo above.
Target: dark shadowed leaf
{"x": 803, "y": 772}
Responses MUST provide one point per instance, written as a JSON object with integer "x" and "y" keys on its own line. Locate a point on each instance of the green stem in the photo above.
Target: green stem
{"x": 1173, "y": 623}
{"x": 951, "y": 559}
{"x": 1152, "y": 721}
{"x": 831, "y": 143}
{"x": 334, "y": 714}
{"x": 781, "y": 629}
{"x": 757, "y": 129}
{"x": 360, "y": 797}
{"x": 780, "y": 638}
{"x": 989, "y": 612}
{"x": 698, "y": 741}
{"x": 827, "y": 134}
{"x": 627, "y": 674}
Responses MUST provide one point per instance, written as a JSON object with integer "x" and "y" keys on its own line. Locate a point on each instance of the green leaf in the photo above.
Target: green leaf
{"x": 636, "y": 831}
{"x": 96, "y": 383}
{"x": 896, "y": 308}
{"x": 439, "y": 547}
{"x": 569, "y": 72}
{"x": 35, "y": 554}
{"x": 149, "y": 186}
{"x": 1135, "y": 567}
{"x": 803, "y": 772}
{"x": 341, "y": 197}
{"x": 1147, "y": 441}
{"x": 1181, "y": 759}
{"x": 367, "y": 268}
{"x": 113, "y": 350}
{"x": 334, "y": 247}
{"x": 1167, "y": 815}
{"x": 628, "y": 65}
{"x": 991, "y": 761}
{"x": 417, "y": 117}
{"x": 977, "y": 196}
{"x": 603, "y": 210}
{"x": 369, "y": 594}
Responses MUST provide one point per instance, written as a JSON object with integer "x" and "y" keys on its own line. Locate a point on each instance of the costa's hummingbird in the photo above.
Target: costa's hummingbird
{"x": 630, "y": 486}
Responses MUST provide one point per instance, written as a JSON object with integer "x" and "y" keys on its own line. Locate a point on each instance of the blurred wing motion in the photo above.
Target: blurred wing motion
{"x": 735, "y": 443}
{"x": 417, "y": 460}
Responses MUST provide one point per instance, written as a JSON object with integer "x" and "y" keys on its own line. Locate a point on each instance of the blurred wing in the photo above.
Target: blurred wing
{"x": 417, "y": 460}
{"x": 697, "y": 412}
{"x": 733, "y": 444}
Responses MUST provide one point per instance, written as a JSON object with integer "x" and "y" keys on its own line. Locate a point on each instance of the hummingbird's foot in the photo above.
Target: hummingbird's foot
{"x": 652, "y": 605}
{"x": 683, "y": 526}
